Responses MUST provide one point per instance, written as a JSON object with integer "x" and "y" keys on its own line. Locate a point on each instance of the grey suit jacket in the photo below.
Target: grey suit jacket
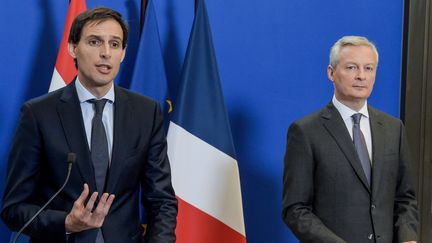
{"x": 326, "y": 197}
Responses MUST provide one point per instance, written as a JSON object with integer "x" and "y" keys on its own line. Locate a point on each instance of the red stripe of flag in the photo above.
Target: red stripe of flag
{"x": 65, "y": 64}
{"x": 194, "y": 225}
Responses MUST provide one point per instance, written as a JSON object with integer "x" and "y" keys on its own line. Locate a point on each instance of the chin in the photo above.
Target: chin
{"x": 103, "y": 81}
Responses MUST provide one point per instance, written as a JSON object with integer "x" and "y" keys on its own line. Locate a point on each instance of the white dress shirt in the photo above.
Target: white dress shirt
{"x": 346, "y": 114}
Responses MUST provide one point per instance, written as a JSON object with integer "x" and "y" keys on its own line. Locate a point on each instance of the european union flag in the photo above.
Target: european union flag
{"x": 149, "y": 77}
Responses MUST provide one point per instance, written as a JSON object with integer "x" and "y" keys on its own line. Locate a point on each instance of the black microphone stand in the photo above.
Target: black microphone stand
{"x": 70, "y": 160}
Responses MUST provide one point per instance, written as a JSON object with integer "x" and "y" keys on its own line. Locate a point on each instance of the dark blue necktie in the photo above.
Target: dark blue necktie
{"x": 99, "y": 145}
{"x": 99, "y": 151}
{"x": 360, "y": 146}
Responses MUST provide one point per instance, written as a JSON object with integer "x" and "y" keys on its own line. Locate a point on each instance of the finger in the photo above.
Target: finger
{"x": 90, "y": 204}
{"x": 98, "y": 215}
{"x": 108, "y": 204}
{"x": 101, "y": 204}
{"x": 106, "y": 207}
{"x": 83, "y": 196}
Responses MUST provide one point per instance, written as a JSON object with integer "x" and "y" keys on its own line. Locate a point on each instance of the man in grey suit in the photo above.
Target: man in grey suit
{"x": 347, "y": 168}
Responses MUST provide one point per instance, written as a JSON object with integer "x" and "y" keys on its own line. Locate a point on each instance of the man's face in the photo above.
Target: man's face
{"x": 354, "y": 75}
{"x": 99, "y": 53}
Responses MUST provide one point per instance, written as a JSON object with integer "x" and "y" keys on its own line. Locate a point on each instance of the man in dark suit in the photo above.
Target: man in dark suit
{"x": 120, "y": 147}
{"x": 347, "y": 169}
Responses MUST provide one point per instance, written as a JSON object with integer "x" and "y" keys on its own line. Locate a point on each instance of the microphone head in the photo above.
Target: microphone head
{"x": 71, "y": 158}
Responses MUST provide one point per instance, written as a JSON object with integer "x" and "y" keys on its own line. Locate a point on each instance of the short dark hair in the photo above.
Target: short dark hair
{"x": 98, "y": 14}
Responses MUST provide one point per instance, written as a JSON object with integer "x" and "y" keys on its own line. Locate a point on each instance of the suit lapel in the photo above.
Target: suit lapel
{"x": 122, "y": 111}
{"x": 335, "y": 125}
{"x": 378, "y": 133}
{"x": 70, "y": 114}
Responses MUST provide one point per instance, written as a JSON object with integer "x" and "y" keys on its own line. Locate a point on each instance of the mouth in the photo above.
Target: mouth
{"x": 104, "y": 68}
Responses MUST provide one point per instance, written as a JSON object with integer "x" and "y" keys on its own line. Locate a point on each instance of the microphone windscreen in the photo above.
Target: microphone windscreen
{"x": 71, "y": 158}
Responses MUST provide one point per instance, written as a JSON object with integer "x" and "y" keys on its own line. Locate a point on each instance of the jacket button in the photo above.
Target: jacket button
{"x": 373, "y": 206}
{"x": 370, "y": 237}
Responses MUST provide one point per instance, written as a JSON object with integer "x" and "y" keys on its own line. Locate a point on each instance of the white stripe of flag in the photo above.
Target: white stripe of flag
{"x": 205, "y": 177}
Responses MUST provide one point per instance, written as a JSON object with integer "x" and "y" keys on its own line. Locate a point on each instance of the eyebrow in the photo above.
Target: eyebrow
{"x": 355, "y": 63}
{"x": 100, "y": 38}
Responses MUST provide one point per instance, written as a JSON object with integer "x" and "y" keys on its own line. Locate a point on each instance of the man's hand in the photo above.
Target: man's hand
{"x": 81, "y": 217}
{"x": 409, "y": 242}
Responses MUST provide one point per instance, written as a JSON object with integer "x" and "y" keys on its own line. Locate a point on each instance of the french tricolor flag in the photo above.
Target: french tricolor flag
{"x": 205, "y": 174}
{"x": 65, "y": 70}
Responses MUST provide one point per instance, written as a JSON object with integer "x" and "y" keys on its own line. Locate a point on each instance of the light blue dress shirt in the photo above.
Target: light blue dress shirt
{"x": 87, "y": 110}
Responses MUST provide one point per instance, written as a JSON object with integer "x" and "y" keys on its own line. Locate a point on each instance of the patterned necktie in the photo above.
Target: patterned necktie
{"x": 99, "y": 145}
{"x": 360, "y": 146}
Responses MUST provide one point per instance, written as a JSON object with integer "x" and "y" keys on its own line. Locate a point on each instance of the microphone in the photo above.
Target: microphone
{"x": 70, "y": 160}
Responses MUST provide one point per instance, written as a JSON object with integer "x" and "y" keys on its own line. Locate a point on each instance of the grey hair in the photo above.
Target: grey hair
{"x": 349, "y": 41}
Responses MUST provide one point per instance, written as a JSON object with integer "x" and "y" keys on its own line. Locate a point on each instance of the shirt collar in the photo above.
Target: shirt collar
{"x": 85, "y": 95}
{"x": 347, "y": 112}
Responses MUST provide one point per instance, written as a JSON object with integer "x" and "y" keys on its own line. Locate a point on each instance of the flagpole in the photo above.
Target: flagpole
{"x": 143, "y": 10}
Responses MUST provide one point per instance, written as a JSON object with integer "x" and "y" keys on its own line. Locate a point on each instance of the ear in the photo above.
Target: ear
{"x": 124, "y": 54}
{"x": 330, "y": 72}
{"x": 71, "y": 49}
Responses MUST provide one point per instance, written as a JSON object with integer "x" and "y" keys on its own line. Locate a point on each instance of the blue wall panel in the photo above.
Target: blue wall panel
{"x": 272, "y": 58}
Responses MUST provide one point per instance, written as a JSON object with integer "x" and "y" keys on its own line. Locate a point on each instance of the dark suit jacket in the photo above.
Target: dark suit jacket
{"x": 50, "y": 127}
{"x": 326, "y": 197}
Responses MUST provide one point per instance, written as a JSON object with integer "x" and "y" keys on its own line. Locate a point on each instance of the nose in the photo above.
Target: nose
{"x": 105, "y": 51}
{"x": 361, "y": 74}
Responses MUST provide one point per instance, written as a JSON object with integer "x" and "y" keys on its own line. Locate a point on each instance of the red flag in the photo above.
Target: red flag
{"x": 65, "y": 69}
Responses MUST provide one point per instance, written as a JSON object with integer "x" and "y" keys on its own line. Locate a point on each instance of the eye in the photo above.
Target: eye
{"x": 369, "y": 68}
{"x": 94, "y": 42}
{"x": 351, "y": 67}
{"x": 115, "y": 44}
